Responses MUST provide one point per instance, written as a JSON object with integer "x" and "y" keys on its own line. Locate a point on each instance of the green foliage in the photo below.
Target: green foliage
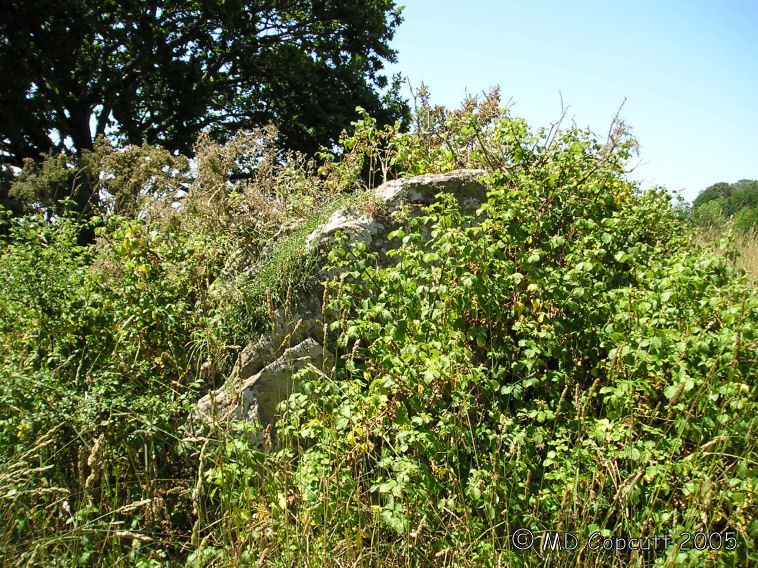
{"x": 725, "y": 217}
{"x": 159, "y": 73}
{"x": 720, "y": 202}
{"x": 563, "y": 360}
{"x": 712, "y": 193}
{"x": 709, "y": 215}
{"x": 126, "y": 181}
{"x": 107, "y": 346}
{"x": 746, "y": 219}
{"x": 100, "y": 361}
{"x": 732, "y": 197}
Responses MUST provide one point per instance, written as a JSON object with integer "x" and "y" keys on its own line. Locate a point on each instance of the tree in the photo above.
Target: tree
{"x": 713, "y": 192}
{"x": 732, "y": 197}
{"x": 160, "y": 71}
{"x": 722, "y": 201}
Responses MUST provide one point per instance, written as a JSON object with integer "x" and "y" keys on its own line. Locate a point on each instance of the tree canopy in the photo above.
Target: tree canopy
{"x": 721, "y": 201}
{"x": 731, "y": 196}
{"x": 160, "y": 71}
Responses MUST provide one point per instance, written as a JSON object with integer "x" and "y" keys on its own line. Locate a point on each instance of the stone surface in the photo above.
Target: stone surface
{"x": 254, "y": 398}
{"x": 262, "y": 375}
{"x": 423, "y": 190}
{"x": 388, "y": 197}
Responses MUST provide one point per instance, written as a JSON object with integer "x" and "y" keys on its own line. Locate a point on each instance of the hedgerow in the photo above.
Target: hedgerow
{"x": 563, "y": 360}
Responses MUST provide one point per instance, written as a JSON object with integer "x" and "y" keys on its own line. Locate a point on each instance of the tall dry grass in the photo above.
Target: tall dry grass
{"x": 727, "y": 240}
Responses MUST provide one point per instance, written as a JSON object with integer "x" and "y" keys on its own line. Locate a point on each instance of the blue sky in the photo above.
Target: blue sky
{"x": 687, "y": 69}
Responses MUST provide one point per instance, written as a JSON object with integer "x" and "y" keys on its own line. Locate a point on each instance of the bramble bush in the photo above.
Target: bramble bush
{"x": 563, "y": 361}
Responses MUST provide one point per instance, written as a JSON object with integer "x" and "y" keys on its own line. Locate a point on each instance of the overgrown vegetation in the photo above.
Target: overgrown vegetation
{"x": 725, "y": 217}
{"x": 566, "y": 360}
{"x": 721, "y": 202}
{"x": 107, "y": 346}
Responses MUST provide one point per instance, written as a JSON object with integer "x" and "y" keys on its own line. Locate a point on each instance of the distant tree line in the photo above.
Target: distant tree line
{"x": 723, "y": 201}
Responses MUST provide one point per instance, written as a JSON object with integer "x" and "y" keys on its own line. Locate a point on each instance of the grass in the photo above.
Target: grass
{"x": 287, "y": 266}
{"x": 741, "y": 245}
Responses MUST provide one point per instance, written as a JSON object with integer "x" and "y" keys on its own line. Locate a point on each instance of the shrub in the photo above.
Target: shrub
{"x": 564, "y": 361}
{"x": 107, "y": 346}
